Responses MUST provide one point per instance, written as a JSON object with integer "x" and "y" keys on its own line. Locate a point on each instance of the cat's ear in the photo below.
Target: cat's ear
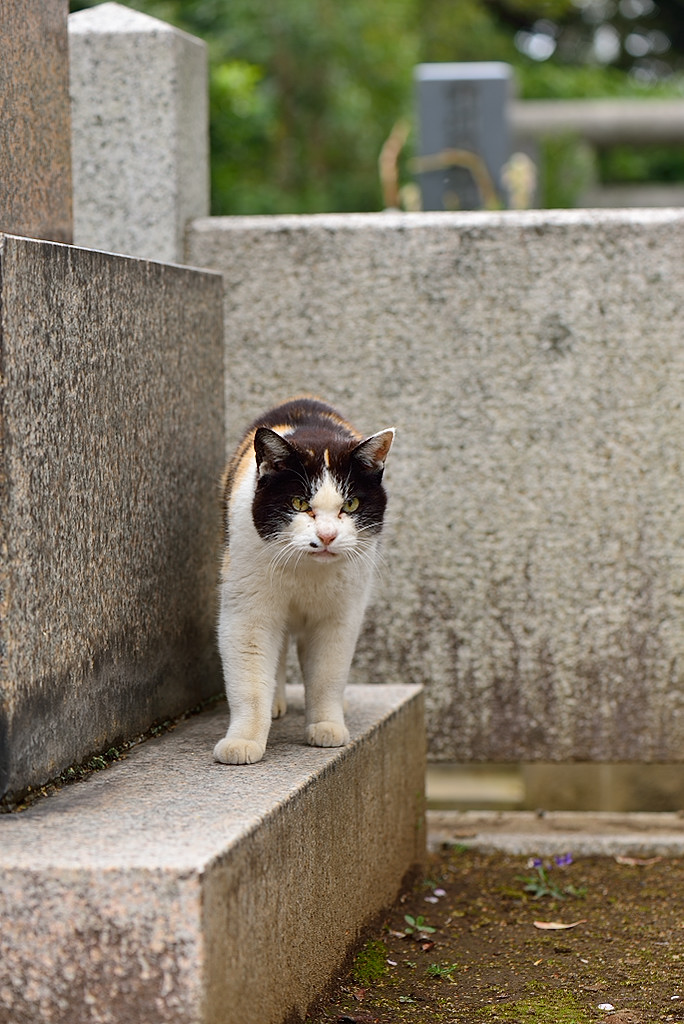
{"x": 372, "y": 452}
{"x": 273, "y": 452}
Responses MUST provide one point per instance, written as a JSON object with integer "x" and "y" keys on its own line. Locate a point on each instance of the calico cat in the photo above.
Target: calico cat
{"x": 303, "y": 509}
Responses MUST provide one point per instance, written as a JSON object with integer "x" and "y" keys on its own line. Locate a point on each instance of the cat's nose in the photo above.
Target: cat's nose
{"x": 326, "y": 533}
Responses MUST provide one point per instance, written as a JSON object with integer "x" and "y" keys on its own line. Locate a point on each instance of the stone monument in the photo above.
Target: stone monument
{"x": 532, "y": 363}
{"x": 463, "y": 134}
{"x": 112, "y": 427}
{"x": 140, "y": 132}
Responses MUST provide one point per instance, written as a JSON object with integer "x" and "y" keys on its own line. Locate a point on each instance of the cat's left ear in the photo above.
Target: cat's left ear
{"x": 372, "y": 452}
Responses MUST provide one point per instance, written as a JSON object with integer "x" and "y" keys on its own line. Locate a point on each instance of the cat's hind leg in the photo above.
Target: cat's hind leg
{"x": 279, "y": 698}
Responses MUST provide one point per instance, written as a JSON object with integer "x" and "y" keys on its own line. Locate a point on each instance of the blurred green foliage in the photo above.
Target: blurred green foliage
{"x": 303, "y": 93}
{"x": 570, "y": 168}
{"x": 641, "y": 163}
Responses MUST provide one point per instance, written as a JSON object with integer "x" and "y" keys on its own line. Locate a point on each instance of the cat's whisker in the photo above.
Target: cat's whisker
{"x": 375, "y": 558}
{"x": 365, "y": 527}
{"x": 362, "y": 557}
{"x": 378, "y": 562}
{"x": 284, "y": 555}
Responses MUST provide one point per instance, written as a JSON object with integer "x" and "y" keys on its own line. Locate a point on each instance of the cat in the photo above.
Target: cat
{"x": 303, "y": 505}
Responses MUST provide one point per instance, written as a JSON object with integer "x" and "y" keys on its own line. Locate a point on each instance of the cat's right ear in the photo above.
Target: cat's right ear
{"x": 272, "y": 451}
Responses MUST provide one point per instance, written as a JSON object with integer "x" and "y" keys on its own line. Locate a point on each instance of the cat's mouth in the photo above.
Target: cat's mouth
{"x": 323, "y": 555}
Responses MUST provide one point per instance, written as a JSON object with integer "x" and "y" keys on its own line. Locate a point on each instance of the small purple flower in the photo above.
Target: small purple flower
{"x": 564, "y": 860}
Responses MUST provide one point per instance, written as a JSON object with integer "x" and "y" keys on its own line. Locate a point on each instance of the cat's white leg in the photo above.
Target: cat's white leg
{"x": 250, "y": 648}
{"x": 280, "y": 699}
{"x": 326, "y": 658}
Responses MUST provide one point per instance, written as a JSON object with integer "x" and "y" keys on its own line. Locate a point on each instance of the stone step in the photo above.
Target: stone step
{"x": 635, "y": 834}
{"x": 169, "y": 888}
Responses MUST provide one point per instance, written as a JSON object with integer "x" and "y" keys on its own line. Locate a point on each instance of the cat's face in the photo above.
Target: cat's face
{"x": 319, "y": 503}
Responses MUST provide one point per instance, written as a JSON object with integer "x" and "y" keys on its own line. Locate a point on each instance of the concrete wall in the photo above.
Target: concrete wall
{"x": 35, "y": 146}
{"x": 534, "y": 367}
{"x": 111, "y": 422}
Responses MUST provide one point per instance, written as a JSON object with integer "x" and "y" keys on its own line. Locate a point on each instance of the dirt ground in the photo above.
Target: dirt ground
{"x": 497, "y": 954}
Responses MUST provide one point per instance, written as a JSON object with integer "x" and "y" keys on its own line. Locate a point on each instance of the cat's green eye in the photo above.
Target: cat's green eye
{"x": 350, "y": 505}
{"x": 300, "y": 505}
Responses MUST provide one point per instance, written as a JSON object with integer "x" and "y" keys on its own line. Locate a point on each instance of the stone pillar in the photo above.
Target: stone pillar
{"x": 35, "y": 142}
{"x": 111, "y": 420}
{"x": 140, "y": 132}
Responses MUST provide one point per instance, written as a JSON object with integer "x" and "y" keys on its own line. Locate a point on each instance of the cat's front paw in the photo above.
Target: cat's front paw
{"x": 238, "y": 751}
{"x": 327, "y": 734}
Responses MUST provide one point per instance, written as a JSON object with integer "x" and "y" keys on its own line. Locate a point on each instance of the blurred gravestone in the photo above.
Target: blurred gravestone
{"x": 463, "y": 134}
{"x": 140, "y": 132}
{"x": 35, "y": 145}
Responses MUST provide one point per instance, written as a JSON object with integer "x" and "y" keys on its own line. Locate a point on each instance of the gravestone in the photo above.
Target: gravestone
{"x": 140, "y": 132}
{"x": 111, "y": 421}
{"x": 35, "y": 149}
{"x": 463, "y": 134}
{"x": 111, "y": 416}
{"x": 532, "y": 574}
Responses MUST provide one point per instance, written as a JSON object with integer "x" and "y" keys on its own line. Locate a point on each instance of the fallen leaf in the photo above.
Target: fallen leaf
{"x": 557, "y": 926}
{"x": 638, "y": 862}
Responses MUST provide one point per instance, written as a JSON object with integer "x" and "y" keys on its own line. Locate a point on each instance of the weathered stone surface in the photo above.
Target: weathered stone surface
{"x": 598, "y": 834}
{"x": 111, "y": 412}
{"x": 35, "y": 138}
{"x": 533, "y": 365}
{"x": 140, "y": 121}
{"x": 174, "y": 890}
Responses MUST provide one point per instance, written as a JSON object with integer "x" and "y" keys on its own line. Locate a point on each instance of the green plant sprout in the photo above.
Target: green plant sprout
{"x": 539, "y": 884}
{"x": 417, "y": 924}
{"x": 443, "y": 971}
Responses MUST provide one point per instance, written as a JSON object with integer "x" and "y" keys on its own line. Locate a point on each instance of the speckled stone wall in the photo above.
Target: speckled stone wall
{"x": 35, "y": 136}
{"x": 111, "y": 422}
{"x": 534, "y": 367}
{"x": 140, "y": 123}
